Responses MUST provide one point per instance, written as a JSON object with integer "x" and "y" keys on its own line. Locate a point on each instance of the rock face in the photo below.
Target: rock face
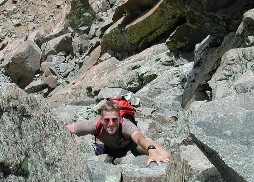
{"x": 224, "y": 132}
{"x": 33, "y": 144}
{"x": 186, "y": 66}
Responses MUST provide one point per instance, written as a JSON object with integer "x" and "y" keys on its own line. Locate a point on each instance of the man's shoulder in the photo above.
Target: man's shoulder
{"x": 125, "y": 120}
{"x": 128, "y": 128}
{"x": 127, "y": 123}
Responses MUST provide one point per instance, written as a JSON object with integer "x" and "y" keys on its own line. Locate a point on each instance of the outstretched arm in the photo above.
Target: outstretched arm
{"x": 160, "y": 154}
{"x": 82, "y": 128}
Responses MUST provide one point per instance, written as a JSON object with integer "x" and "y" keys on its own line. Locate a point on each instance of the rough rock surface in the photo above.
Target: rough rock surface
{"x": 224, "y": 132}
{"x": 23, "y": 63}
{"x": 33, "y": 144}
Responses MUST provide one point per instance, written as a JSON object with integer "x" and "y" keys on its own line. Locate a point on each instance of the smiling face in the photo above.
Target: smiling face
{"x": 110, "y": 121}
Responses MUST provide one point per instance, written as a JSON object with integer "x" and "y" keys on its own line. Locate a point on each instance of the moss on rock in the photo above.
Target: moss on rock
{"x": 146, "y": 31}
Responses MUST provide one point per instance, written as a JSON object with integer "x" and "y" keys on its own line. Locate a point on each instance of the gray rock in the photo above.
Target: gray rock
{"x": 80, "y": 44}
{"x": 3, "y": 77}
{"x": 84, "y": 12}
{"x": 47, "y": 68}
{"x": 202, "y": 168}
{"x": 23, "y": 63}
{"x": 101, "y": 171}
{"x": 124, "y": 171}
{"x": 110, "y": 92}
{"x": 63, "y": 69}
{"x": 2, "y": 2}
{"x": 34, "y": 86}
{"x": 235, "y": 67}
{"x": 166, "y": 90}
{"x": 55, "y": 59}
{"x": 33, "y": 144}
{"x": 50, "y": 81}
{"x": 223, "y": 129}
{"x": 73, "y": 113}
{"x": 56, "y": 45}
{"x": 138, "y": 172}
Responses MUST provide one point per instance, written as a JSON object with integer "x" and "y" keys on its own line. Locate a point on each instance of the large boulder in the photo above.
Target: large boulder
{"x": 143, "y": 30}
{"x": 235, "y": 73}
{"x": 223, "y": 130}
{"x": 22, "y": 63}
{"x": 33, "y": 145}
{"x": 62, "y": 43}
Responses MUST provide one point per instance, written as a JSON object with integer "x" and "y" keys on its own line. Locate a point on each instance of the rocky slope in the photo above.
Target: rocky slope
{"x": 187, "y": 66}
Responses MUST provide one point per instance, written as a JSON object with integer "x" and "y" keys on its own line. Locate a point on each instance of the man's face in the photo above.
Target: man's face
{"x": 110, "y": 121}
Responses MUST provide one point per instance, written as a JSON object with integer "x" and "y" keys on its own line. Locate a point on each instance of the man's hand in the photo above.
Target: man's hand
{"x": 159, "y": 154}
{"x": 71, "y": 127}
{"x": 156, "y": 156}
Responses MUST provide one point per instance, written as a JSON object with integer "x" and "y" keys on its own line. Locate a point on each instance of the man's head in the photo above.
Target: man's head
{"x": 110, "y": 115}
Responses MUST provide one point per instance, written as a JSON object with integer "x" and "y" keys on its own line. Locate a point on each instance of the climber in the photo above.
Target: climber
{"x": 119, "y": 135}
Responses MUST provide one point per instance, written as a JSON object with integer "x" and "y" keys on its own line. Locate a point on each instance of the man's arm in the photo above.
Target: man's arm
{"x": 160, "y": 154}
{"x": 82, "y": 128}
